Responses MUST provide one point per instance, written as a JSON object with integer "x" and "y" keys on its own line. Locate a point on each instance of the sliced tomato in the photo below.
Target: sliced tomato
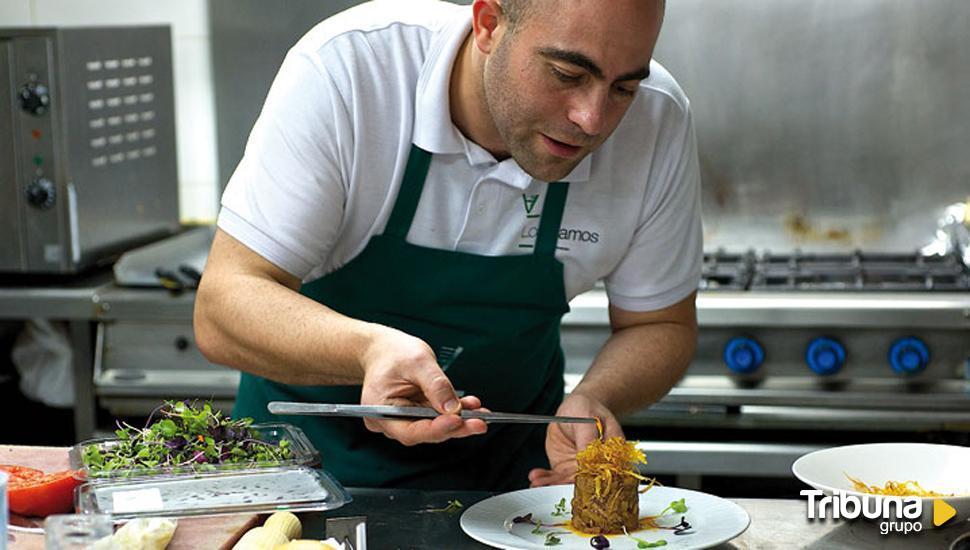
{"x": 44, "y": 495}
{"x": 17, "y": 474}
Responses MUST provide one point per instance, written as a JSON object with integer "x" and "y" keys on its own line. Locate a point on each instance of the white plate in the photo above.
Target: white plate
{"x": 940, "y": 468}
{"x": 713, "y": 519}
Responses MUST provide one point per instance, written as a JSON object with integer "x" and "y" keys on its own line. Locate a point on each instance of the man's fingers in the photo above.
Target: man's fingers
{"x": 585, "y": 434}
{"x": 540, "y": 477}
{"x": 470, "y": 402}
{"x": 436, "y": 430}
{"x": 438, "y": 389}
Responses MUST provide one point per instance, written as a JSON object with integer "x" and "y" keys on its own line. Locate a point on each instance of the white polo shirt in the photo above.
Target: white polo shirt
{"x": 325, "y": 159}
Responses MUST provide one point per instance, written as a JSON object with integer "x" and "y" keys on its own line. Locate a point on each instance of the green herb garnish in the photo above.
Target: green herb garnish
{"x": 186, "y": 438}
{"x": 453, "y": 507}
{"x": 560, "y": 508}
{"x": 553, "y": 540}
{"x": 677, "y": 507}
{"x": 644, "y": 543}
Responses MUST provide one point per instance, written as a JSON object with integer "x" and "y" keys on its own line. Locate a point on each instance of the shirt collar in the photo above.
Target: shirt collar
{"x": 433, "y": 129}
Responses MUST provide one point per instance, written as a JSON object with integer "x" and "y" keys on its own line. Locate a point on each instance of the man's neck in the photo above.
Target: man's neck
{"x": 466, "y": 98}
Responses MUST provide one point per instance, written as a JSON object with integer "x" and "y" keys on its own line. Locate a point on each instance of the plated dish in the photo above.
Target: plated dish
{"x": 712, "y": 520}
{"x": 940, "y": 469}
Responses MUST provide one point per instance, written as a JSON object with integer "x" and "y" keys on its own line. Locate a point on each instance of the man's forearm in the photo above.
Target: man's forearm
{"x": 639, "y": 364}
{"x": 260, "y": 326}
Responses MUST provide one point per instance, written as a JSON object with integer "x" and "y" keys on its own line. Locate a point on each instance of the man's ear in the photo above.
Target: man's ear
{"x": 488, "y": 24}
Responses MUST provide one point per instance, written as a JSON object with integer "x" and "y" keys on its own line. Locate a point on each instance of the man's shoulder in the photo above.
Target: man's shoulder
{"x": 662, "y": 86}
{"x": 378, "y": 16}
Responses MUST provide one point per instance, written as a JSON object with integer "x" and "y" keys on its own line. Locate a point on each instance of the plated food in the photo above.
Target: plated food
{"x": 895, "y": 488}
{"x": 606, "y": 499}
{"x": 923, "y": 471}
{"x": 544, "y": 516}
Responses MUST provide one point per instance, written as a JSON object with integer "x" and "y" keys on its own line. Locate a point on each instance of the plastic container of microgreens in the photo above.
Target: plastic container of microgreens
{"x": 301, "y": 453}
{"x": 297, "y": 489}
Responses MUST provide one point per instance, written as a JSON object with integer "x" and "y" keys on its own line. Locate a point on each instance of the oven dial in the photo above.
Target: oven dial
{"x": 41, "y": 193}
{"x": 825, "y": 356}
{"x": 743, "y": 355}
{"x": 909, "y": 355}
{"x": 34, "y": 98}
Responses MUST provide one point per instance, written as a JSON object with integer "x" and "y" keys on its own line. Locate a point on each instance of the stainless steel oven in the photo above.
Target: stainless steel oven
{"x": 87, "y": 144}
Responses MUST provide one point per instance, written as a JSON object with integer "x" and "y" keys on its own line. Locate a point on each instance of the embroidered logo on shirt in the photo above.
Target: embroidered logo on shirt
{"x": 530, "y": 202}
{"x": 529, "y": 233}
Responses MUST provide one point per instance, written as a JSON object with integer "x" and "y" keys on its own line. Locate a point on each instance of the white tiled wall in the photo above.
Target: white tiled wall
{"x": 194, "y": 102}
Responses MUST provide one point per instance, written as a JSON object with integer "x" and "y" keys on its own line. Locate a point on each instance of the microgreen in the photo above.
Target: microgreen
{"x": 453, "y": 507}
{"x": 189, "y": 437}
{"x": 560, "y": 508}
{"x": 677, "y": 507}
{"x": 553, "y": 540}
{"x": 645, "y": 543}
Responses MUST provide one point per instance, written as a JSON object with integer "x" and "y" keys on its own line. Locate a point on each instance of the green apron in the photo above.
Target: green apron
{"x": 493, "y": 322}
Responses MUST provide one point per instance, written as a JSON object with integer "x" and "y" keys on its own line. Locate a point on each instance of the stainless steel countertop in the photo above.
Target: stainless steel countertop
{"x": 804, "y": 309}
{"x": 68, "y": 299}
{"x": 96, "y": 297}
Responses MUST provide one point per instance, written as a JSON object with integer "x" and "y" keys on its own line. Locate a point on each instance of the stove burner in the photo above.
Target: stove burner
{"x": 727, "y": 271}
{"x": 834, "y": 272}
{"x": 860, "y": 271}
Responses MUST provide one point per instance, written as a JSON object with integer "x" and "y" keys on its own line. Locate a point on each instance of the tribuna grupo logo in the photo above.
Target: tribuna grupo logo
{"x": 897, "y": 514}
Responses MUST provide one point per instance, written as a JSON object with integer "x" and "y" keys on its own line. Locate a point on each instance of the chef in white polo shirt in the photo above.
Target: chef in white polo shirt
{"x": 426, "y": 188}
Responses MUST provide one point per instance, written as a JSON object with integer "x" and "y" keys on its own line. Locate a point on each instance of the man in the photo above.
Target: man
{"x": 425, "y": 189}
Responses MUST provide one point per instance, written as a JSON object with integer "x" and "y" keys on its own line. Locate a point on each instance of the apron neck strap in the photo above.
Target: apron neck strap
{"x": 409, "y": 194}
{"x": 552, "y": 209}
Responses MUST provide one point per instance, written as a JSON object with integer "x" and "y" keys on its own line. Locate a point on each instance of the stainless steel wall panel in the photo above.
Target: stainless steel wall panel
{"x": 261, "y": 33}
{"x": 826, "y": 124}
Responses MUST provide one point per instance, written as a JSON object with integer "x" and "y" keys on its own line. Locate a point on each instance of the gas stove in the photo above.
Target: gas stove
{"x": 855, "y": 271}
{"x": 796, "y": 347}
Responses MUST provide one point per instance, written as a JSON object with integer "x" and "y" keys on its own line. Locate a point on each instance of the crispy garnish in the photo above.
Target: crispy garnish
{"x": 604, "y": 459}
{"x": 894, "y": 488}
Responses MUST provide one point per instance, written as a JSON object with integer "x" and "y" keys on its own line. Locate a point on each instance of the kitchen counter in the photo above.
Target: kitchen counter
{"x": 406, "y": 520}
{"x": 398, "y": 519}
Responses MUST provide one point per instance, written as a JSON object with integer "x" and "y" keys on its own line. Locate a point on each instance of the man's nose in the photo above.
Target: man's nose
{"x": 588, "y": 111}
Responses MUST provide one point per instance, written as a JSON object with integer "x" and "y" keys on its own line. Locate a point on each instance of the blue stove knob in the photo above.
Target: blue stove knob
{"x": 825, "y": 356}
{"x": 909, "y": 355}
{"x": 743, "y": 355}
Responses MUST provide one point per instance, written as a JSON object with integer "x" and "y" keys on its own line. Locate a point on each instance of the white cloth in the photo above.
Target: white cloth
{"x": 325, "y": 159}
{"x": 42, "y": 355}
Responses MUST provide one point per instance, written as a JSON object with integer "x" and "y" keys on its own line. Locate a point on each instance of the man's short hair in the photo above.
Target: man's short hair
{"x": 517, "y": 11}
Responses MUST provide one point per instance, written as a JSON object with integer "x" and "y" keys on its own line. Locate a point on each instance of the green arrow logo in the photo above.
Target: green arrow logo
{"x": 530, "y": 202}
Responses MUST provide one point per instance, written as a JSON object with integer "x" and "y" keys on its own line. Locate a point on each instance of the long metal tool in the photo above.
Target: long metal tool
{"x": 390, "y": 412}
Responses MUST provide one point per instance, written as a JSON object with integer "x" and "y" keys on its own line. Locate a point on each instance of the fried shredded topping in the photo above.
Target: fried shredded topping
{"x": 895, "y": 488}
{"x": 606, "y": 459}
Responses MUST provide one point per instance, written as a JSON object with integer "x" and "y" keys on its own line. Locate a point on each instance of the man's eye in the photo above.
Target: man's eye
{"x": 625, "y": 92}
{"x": 564, "y": 77}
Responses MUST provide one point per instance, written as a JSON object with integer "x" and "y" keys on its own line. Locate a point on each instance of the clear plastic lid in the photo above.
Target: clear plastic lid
{"x": 299, "y": 489}
{"x": 302, "y": 453}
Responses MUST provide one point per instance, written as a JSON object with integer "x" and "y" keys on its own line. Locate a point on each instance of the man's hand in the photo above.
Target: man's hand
{"x": 563, "y": 441}
{"x": 401, "y": 370}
